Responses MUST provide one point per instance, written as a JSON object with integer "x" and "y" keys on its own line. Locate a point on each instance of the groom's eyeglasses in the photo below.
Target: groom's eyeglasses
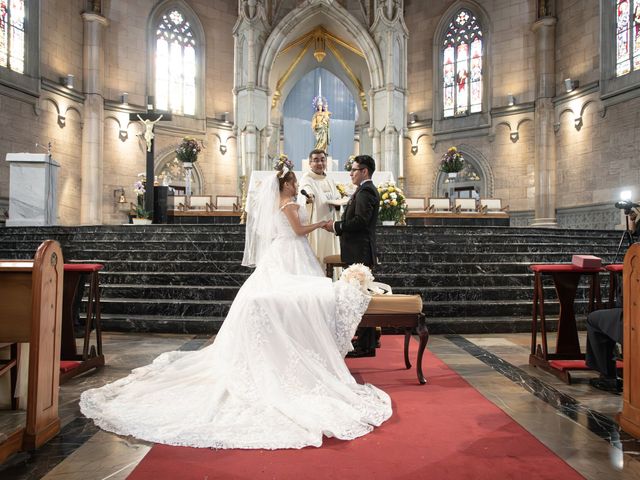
{"x": 352, "y": 169}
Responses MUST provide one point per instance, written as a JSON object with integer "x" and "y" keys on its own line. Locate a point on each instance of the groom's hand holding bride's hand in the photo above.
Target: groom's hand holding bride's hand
{"x": 328, "y": 226}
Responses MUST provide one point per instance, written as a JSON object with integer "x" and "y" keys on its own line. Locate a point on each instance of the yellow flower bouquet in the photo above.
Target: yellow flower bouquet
{"x": 393, "y": 205}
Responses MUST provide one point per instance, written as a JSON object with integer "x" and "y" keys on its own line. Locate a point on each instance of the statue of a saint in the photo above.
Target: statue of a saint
{"x": 320, "y": 125}
{"x": 148, "y": 130}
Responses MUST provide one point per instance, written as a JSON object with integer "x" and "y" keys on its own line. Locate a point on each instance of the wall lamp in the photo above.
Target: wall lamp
{"x": 570, "y": 85}
{"x": 577, "y": 122}
{"x": 123, "y": 135}
{"x": 414, "y": 149}
{"x": 124, "y": 98}
{"x": 62, "y": 121}
{"x": 514, "y": 136}
{"x": 413, "y": 118}
{"x": 511, "y": 100}
{"x": 119, "y": 193}
{"x": 223, "y": 149}
{"x": 68, "y": 81}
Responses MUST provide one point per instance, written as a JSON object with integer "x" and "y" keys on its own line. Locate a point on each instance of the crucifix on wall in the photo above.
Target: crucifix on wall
{"x": 148, "y": 121}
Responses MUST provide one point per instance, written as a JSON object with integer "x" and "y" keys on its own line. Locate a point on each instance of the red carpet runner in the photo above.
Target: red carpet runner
{"x": 442, "y": 430}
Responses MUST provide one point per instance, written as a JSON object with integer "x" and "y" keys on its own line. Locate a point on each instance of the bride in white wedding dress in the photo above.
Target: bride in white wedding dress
{"x": 275, "y": 375}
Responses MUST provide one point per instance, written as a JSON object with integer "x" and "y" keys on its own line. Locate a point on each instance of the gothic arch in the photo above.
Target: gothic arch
{"x": 166, "y": 161}
{"x": 474, "y": 157}
{"x": 313, "y": 15}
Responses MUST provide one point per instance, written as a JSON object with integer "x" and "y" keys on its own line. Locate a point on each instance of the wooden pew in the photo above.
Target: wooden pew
{"x": 31, "y": 312}
{"x": 630, "y": 416}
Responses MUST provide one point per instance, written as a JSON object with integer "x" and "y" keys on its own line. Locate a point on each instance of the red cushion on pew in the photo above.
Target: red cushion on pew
{"x": 68, "y": 365}
{"x": 564, "y": 365}
{"x": 562, "y": 268}
{"x": 83, "y": 267}
{"x": 614, "y": 267}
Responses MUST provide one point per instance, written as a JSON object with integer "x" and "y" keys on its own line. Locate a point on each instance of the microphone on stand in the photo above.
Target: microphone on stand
{"x": 304, "y": 192}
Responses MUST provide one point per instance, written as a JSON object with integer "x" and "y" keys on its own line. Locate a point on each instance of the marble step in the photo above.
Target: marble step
{"x": 475, "y": 325}
{"x": 164, "y": 255}
{"x": 233, "y": 266}
{"x": 397, "y": 280}
{"x": 461, "y": 232}
{"x": 211, "y": 325}
{"x": 160, "y": 323}
{"x": 19, "y": 249}
{"x": 174, "y": 278}
{"x": 220, "y": 308}
{"x": 165, "y": 307}
{"x": 438, "y": 293}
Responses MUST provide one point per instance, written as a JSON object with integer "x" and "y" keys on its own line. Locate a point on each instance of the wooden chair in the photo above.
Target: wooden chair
{"x": 31, "y": 312}
{"x": 492, "y": 205}
{"x": 227, "y": 203}
{"x": 416, "y": 204}
{"x": 439, "y": 205}
{"x": 176, "y": 202}
{"x": 465, "y": 205}
{"x": 200, "y": 202}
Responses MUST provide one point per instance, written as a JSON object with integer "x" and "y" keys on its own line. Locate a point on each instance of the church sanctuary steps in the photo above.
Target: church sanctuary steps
{"x": 183, "y": 278}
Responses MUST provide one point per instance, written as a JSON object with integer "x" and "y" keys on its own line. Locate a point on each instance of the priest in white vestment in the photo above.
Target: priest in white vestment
{"x": 321, "y": 190}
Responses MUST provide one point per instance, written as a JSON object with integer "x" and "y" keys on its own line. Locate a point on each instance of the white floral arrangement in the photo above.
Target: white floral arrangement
{"x": 358, "y": 275}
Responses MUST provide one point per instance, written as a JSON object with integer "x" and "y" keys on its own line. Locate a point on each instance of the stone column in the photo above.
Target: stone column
{"x": 545, "y": 144}
{"x": 91, "y": 188}
{"x": 375, "y": 147}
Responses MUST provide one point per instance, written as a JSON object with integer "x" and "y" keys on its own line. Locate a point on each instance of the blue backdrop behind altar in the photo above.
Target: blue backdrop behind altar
{"x": 298, "y": 110}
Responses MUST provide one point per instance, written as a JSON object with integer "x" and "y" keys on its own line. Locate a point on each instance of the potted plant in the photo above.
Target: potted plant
{"x": 393, "y": 205}
{"x": 142, "y": 216}
{"x": 452, "y": 162}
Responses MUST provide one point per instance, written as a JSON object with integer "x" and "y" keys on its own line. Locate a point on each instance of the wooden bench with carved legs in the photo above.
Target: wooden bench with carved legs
{"x": 400, "y": 311}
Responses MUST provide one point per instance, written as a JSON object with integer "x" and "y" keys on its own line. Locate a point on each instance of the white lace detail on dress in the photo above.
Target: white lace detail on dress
{"x": 351, "y": 304}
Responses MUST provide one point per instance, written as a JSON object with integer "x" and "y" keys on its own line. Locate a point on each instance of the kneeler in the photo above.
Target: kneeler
{"x": 393, "y": 311}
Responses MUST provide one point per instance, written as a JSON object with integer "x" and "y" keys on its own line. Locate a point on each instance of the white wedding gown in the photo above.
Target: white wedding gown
{"x": 274, "y": 377}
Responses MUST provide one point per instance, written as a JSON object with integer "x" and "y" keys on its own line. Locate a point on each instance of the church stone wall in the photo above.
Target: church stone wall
{"x": 577, "y": 42}
{"x": 512, "y": 50}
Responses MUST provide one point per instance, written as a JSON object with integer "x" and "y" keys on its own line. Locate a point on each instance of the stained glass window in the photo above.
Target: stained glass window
{"x": 627, "y": 36}
{"x": 462, "y": 66}
{"x": 175, "y": 65}
{"x": 12, "y": 35}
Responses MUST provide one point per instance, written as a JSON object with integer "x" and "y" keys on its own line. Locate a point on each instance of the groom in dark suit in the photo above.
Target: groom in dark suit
{"x": 357, "y": 232}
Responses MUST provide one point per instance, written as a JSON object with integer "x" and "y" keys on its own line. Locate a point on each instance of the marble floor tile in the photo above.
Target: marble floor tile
{"x": 104, "y": 456}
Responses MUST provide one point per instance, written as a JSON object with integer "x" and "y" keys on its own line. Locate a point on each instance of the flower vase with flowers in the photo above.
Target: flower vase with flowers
{"x": 142, "y": 216}
{"x": 393, "y": 205}
{"x": 452, "y": 162}
{"x": 187, "y": 152}
{"x": 349, "y": 164}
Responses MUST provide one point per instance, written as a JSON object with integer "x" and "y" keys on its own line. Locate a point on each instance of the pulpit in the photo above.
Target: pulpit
{"x": 33, "y": 181}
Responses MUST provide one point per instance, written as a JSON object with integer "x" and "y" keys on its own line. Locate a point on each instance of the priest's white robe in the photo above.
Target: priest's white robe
{"x": 323, "y": 189}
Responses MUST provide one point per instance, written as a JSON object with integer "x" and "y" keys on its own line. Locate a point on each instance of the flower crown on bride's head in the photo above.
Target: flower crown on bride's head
{"x": 283, "y": 166}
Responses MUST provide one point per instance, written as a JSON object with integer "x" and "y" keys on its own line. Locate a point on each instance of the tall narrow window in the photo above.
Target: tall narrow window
{"x": 627, "y": 36}
{"x": 175, "y": 64}
{"x": 462, "y": 66}
{"x": 12, "y": 35}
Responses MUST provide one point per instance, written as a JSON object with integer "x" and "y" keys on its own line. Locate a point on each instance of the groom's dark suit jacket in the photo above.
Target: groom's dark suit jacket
{"x": 357, "y": 229}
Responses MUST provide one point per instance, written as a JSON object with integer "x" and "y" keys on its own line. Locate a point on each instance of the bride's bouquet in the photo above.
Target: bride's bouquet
{"x": 359, "y": 276}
